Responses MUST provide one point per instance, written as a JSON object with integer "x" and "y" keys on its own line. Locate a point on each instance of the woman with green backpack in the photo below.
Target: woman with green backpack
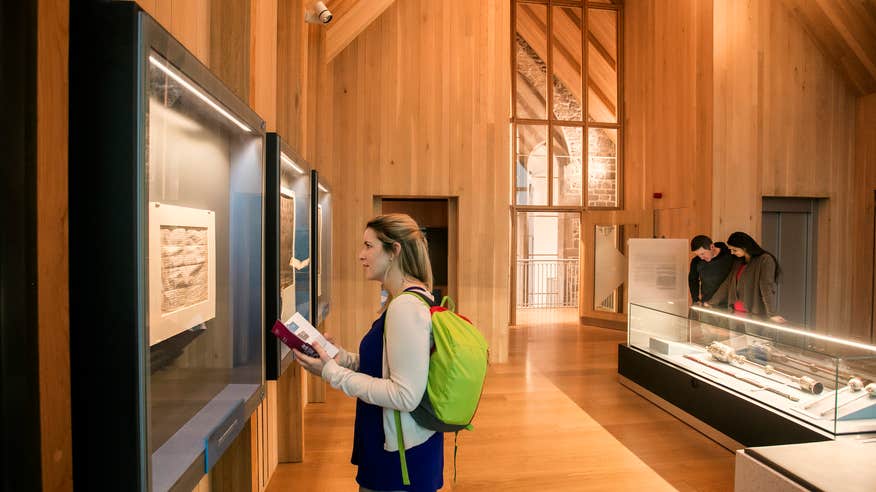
{"x": 389, "y": 374}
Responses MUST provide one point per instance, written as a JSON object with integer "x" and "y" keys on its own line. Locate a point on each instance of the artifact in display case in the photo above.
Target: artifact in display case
{"x": 322, "y": 248}
{"x": 182, "y": 284}
{"x": 166, "y": 195}
{"x": 287, "y": 246}
{"x": 822, "y": 382}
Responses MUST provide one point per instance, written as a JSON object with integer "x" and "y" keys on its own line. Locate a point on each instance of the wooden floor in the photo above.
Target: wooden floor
{"x": 553, "y": 418}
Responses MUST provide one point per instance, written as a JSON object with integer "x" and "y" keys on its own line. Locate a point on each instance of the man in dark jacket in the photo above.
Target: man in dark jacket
{"x": 708, "y": 269}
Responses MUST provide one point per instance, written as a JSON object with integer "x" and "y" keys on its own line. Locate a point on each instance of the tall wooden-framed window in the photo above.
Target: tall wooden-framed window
{"x": 566, "y": 124}
{"x": 567, "y": 104}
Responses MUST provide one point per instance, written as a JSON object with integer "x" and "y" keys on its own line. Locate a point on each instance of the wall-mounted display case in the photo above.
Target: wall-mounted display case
{"x": 321, "y": 246}
{"x": 821, "y": 384}
{"x": 287, "y": 246}
{"x": 166, "y": 210}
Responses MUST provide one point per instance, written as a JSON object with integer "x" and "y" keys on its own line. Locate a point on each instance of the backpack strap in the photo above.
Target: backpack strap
{"x": 455, "y": 448}
{"x": 418, "y": 293}
{"x": 406, "y": 480}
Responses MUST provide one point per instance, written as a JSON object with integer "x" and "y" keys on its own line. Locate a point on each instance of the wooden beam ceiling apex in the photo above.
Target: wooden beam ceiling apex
{"x": 846, "y": 31}
{"x": 346, "y": 27}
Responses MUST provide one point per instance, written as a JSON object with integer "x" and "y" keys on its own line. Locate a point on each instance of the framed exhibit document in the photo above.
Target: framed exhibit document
{"x": 182, "y": 269}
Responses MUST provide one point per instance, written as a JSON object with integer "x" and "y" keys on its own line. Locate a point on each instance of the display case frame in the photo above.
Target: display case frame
{"x": 280, "y": 158}
{"x": 321, "y": 248}
{"x": 784, "y": 384}
{"x": 110, "y": 46}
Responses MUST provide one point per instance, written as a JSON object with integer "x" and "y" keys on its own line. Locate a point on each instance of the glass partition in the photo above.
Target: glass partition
{"x": 602, "y": 63}
{"x": 568, "y": 56}
{"x": 610, "y": 266}
{"x": 530, "y": 60}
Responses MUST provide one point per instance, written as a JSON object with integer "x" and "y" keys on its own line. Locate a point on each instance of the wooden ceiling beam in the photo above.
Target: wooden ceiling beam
{"x": 846, "y": 31}
{"x": 348, "y": 26}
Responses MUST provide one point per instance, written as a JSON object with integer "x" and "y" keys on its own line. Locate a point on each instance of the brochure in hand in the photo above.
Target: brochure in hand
{"x": 298, "y": 334}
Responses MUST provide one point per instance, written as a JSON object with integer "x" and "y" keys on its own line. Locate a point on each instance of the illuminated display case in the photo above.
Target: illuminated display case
{"x": 166, "y": 212}
{"x": 321, "y": 245}
{"x": 287, "y": 246}
{"x": 823, "y": 385}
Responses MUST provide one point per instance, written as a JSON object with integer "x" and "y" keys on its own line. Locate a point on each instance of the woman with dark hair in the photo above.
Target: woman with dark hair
{"x": 751, "y": 285}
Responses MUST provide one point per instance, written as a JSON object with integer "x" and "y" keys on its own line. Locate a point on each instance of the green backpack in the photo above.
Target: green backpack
{"x": 457, "y": 368}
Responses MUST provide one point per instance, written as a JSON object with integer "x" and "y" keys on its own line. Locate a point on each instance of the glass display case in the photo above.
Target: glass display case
{"x": 287, "y": 246}
{"x": 824, "y": 382}
{"x": 166, "y": 204}
{"x": 321, "y": 245}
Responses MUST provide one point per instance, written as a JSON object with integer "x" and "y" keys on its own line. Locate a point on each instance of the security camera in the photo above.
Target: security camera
{"x": 318, "y": 13}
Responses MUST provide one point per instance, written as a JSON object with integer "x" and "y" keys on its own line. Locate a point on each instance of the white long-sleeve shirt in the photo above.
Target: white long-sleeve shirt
{"x": 408, "y": 341}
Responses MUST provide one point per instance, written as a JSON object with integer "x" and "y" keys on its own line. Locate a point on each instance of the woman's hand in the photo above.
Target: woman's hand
{"x": 312, "y": 364}
{"x": 778, "y": 319}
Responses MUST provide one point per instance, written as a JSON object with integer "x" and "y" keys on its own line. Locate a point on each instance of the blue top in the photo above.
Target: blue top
{"x": 380, "y": 469}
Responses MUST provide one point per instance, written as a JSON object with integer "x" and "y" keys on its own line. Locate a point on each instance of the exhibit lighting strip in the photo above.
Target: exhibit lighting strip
{"x": 787, "y": 329}
{"x": 194, "y": 90}
{"x": 286, "y": 160}
{"x": 287, "y": 192}
{"x": 321, "y": 187}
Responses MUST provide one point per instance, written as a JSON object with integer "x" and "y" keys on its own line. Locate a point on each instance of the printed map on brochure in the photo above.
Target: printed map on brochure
{"x": 302, "y": 328}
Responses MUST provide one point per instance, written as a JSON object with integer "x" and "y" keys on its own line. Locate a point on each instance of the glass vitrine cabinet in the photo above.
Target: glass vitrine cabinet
{"x": 166, "y": 211}
{"x": 288, "y": 264}
{"x": 821, "y": 381}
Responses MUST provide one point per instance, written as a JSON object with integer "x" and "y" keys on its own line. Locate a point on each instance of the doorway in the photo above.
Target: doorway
{"x": 790, "y": 232}
{"x": 547, "y": 266}
{"x": 437, "y": 219}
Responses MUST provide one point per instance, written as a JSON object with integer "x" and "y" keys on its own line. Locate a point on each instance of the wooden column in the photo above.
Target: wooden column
{"x": 290, "y": 416}
{"x": 52, "y": 251}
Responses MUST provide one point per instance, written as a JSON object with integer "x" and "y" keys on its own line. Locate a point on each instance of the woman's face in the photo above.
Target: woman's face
{"x": 374, "y": 259}
{"x": 738, "y": 252}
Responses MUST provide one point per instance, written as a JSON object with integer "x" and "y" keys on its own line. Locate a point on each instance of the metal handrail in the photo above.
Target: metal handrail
{"x": 547, "y": 282}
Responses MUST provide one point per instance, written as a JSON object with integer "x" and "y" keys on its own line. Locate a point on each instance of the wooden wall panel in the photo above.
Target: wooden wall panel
{"x": 230, "y": 44}
{"x": 53, "y": 28}
{"x": 292, "y": 48}
{"x": 736, "y": 183}
{"x": 191, "y": 25}
{"x": 862, "y": 240}
{"x": 263, "y": 60}
{"x": 187, "y": 20}
{"x": 420, "y": 107}
{"x": 668, "y": 114}
{"x": 667, "y": 143}
{"x": 784, "y": 126}
{"x": 160, "y": 10}
{"x": 345, "y": 29}
{"x": 781, "y": 113}
{"x": 806, "y": 110}
{"x": 846, "y": 31}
